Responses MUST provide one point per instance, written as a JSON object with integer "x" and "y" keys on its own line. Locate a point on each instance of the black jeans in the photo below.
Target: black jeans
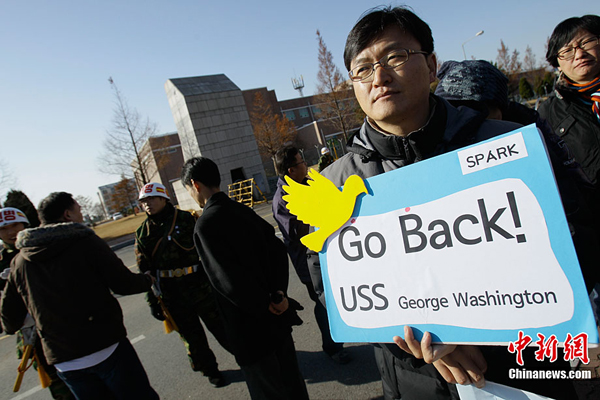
{"x": 120, "y": 376}
{"x": 277, "y": 375}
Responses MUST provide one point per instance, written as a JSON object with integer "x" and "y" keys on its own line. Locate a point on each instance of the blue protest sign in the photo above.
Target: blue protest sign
{"x": 472, "y": 245}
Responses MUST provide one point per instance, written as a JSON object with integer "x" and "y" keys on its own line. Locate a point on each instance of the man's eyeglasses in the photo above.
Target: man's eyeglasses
{"x": 301, "y": 162}
{"x": 393, "y": 60}
{"x": 567, "y": 53}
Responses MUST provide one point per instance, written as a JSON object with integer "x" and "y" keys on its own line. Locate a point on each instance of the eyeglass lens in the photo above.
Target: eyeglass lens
{"x": 392, "y": 60}
{"x": 586, "y": 44}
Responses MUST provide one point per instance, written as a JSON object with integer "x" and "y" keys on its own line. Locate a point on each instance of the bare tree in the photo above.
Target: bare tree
{"x": 334, "y": 95}
{"x": 7, "y": 178}
{"x": 503, "y": 57}
{"x": 271, "y": 130}
{"x": 98, "y": 211}
{"x": 123, "y": 142}
{"x": 515, "y": 65}
{"x": 529, "y": 61}
{"x": 511, "y": 65}
{"x": 86, "y": 204}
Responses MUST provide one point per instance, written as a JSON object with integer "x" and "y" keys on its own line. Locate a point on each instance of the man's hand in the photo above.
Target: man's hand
{"x": 151, "y": 277}
{"x": 281, "y": 306}
{"x": 457, "y": 364}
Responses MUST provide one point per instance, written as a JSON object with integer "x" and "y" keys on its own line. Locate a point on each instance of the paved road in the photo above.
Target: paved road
{"x": 165, "y": 361}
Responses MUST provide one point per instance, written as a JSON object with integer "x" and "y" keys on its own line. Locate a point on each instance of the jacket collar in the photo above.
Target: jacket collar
{"x": 51, "y": 233}
{"x": 446, "y": 126}
{"x": 215, "y": 198}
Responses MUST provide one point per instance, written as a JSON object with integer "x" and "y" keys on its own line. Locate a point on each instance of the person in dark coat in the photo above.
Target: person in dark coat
{"x": 248, "y": 268}
{"x": 13, "y": 221}
{"x": 290, "y": 163}
{"x": 65, "y": 277}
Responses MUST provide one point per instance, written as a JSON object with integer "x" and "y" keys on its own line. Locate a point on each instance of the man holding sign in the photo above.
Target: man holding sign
{"x": 390, "y": 59}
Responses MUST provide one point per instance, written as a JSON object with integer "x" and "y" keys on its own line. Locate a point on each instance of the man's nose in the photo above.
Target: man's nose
{"x": 579, "y": 52}
{"x": 380, "y": 75}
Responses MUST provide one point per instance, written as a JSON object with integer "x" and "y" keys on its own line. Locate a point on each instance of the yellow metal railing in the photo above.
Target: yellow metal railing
{"x": 244, "y": 191}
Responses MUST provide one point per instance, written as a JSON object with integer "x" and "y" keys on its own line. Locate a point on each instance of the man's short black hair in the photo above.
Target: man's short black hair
{"x": 52, "y": 208}
{"x": 374, "y": 21}
{"x": 566, "y": 30}
{"x": 201, "y": 169}
{"x": 285, "y": 158}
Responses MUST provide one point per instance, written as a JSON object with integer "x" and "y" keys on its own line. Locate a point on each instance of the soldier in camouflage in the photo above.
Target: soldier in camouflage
{"x": 164, "y": 246}
{"x": 12, "y": 221}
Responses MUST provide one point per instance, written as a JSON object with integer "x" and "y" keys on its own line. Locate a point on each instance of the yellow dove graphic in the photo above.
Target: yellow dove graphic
{"x": 322, "y": 205}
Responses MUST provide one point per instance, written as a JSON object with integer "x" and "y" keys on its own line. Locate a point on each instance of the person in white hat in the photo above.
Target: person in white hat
{"x": 164, "y": 247}
{"x": 325, "y": 159}
{"x": 12, "y": 221}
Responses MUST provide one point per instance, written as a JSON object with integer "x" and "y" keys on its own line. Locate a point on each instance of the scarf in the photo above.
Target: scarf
{"x": 588, "y": 93}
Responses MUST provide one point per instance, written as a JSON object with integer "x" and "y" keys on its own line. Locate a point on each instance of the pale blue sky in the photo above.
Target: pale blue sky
{"x": 56, "y": 57}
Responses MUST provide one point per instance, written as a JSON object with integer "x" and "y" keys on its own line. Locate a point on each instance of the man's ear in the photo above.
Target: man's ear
{"x": 66, "y": 217}
{"x": 432, "y": 64}
{"x": 195, "y": 185}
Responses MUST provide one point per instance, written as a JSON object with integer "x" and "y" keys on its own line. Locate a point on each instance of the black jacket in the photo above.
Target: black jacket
{"x": 245, "y": 263}
{"x": 63, "y": 277}
{"x": 575, "y": 123}
{"x": 372, "y": 153}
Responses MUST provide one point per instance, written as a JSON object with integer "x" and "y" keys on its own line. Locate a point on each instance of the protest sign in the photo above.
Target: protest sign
{"x": 472, "y": 245}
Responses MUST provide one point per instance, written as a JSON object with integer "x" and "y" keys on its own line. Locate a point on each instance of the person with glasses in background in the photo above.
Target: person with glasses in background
{"x": 573, "y": 108}
{"x": 290, "y": 163}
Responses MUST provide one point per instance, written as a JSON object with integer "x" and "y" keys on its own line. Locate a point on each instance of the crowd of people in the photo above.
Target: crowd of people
{"x": 229, "y": 269}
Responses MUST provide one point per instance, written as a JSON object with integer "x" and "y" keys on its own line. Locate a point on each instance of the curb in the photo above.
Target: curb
{"x": 121, "y": 245}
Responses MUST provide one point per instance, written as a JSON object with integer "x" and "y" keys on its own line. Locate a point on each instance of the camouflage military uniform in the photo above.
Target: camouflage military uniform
{"x": 57, "y": 387}
{"x": 187, "y": 297}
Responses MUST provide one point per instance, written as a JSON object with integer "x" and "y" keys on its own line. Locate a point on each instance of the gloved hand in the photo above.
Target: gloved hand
{"x": 155, "y": 308}
{"x": 294, "y": 305}
{"x": 290, "y": 316}
{"x": 157, "y": 312}
{"x": 4, "y": 274}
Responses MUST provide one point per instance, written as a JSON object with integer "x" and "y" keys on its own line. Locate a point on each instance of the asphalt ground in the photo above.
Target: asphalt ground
{"x": 165, "y": 361}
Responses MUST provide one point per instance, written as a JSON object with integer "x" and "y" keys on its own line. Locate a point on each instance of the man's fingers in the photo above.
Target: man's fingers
{"x": 471, "y": 360}
{"x": 464, "y": 365}
{"x": 438, "y": 351}
{"x": 401, "y": 343}
{"x": 413, "y": 345}
{"x": 444, "y": 371}
{"x": 459, "y": 374}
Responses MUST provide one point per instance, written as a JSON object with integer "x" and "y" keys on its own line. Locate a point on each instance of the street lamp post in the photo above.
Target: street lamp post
{"x": 463, "y": 45}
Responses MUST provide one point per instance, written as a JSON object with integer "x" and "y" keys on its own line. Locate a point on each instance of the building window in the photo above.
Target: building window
{"x": 303, "y": 113}
{"x": 290, "y": 115}
{"x": 316, "y": 110}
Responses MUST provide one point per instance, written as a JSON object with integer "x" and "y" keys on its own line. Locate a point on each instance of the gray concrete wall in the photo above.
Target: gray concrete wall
{"x": 212, "y": 121}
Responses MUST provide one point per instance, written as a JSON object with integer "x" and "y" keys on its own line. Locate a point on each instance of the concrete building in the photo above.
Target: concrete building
{"x": 212, "y": 121}
{"x": 163, "y": 157}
